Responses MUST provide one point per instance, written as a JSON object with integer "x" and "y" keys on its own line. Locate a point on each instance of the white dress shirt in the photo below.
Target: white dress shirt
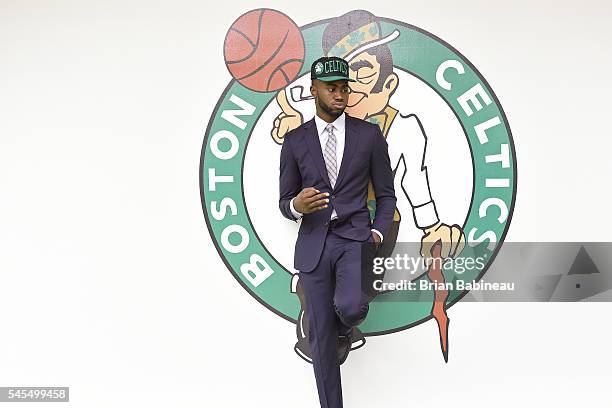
{"x": 340, "y": 133}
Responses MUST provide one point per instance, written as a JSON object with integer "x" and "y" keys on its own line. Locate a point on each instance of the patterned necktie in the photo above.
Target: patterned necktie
{"x": 330, "y": 155}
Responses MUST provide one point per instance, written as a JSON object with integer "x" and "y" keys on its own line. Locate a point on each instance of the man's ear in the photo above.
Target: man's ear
{"x": 391, "y": 83}
{"x": 313, "y": 90}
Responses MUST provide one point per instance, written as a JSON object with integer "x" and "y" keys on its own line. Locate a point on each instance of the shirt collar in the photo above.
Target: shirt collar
{"x": 339, "y": 124}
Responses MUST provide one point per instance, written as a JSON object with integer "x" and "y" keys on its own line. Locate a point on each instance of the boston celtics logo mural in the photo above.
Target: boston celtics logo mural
{"x": 449, "y": 141}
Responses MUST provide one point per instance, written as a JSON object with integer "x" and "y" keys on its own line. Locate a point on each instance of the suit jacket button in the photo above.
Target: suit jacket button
{"x": 333, "y": 196}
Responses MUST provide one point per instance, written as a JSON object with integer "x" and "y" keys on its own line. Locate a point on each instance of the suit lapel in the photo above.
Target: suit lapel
{"x": 314, "y": 146}
{"x": 351, "y": 142}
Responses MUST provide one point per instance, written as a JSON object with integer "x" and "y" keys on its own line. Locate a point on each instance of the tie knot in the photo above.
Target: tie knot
{"x": 330, "y": 128}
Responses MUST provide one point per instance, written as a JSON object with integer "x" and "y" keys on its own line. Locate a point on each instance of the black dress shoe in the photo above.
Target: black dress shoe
{"x": 302, "y": 346}
{"x": 354, "y": 341}
{"x": 350, "y": 342}
{"x": 302, "y": 349}
{"x": 357, "y": 339}
{"x": 344, "y": 346}
{"x": 346, "y": 343}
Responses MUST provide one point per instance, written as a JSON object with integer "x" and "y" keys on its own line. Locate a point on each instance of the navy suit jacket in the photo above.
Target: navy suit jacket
{"x": 302, "y": 165}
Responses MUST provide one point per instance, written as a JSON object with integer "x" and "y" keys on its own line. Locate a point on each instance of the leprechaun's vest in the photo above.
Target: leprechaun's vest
{"x": 384, "y": 119}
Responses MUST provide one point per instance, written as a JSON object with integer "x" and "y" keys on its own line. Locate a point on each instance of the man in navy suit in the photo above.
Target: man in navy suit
{"x": 325, "y": 167}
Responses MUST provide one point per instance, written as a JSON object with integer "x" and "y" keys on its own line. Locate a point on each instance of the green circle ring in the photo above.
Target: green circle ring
{"x": 419, "y": 53}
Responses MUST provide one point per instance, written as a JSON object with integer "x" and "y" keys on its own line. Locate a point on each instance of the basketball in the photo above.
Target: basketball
{"x": 264, "y": 50}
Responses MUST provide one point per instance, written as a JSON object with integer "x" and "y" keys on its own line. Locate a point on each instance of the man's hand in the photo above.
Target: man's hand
{"x": 310, "y": 200}
{"x": 452, "y": 239}
{"x": 376, "y": 238}
{"x": 286, "y": 121}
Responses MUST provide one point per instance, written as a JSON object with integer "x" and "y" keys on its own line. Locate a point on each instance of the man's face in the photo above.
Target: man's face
{"x": 365, "y": 69}
{"x": 330, "y": 97}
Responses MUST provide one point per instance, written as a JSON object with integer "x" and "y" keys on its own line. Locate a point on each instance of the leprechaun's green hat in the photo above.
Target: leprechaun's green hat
{"x": 353, "y": 33}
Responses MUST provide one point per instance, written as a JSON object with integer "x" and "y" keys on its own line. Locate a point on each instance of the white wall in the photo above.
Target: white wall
{"x": 111, "y": 284}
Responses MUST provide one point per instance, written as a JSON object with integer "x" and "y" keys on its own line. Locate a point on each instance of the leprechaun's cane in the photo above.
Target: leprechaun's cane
{"x": 435, "y": 275}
